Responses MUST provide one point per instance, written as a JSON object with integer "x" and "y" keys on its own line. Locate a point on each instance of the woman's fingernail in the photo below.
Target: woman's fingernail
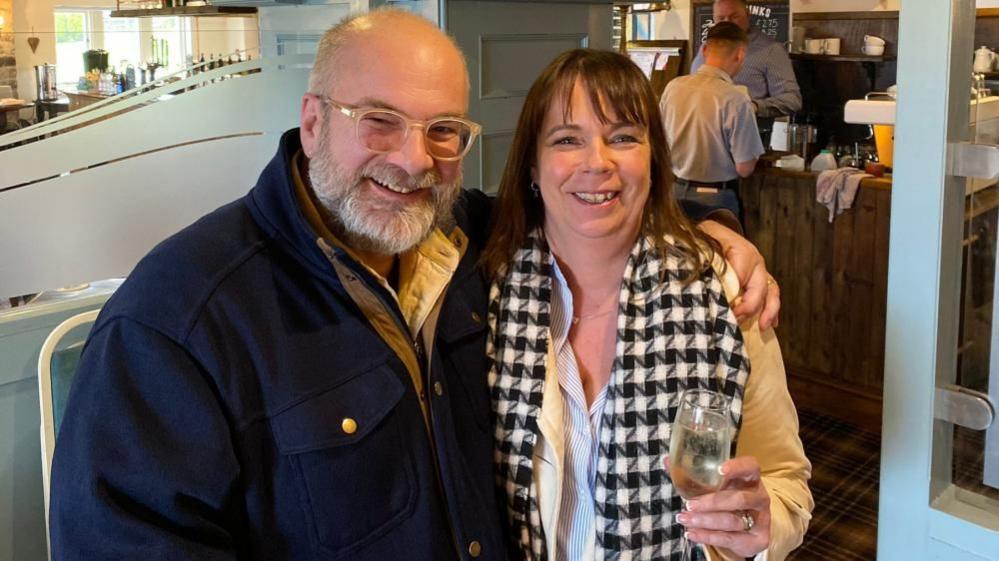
{"x": 682, "y": 518}
{"x": 690, "y": 505}
{"x": 721, "y": 469}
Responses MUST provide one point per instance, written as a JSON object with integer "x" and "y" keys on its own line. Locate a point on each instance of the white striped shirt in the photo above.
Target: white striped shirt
{"x": 576, "y": 533}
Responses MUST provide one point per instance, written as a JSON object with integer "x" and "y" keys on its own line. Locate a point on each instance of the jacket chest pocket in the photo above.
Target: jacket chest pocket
{"x": 354, "y": 469}
{"x": 462, "y": 332}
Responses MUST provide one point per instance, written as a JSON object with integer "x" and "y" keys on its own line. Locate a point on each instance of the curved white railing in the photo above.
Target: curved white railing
{"x": 84, "y": 195}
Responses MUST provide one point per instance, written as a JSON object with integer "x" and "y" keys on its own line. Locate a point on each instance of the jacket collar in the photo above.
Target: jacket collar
{"x": 274, "y": 205}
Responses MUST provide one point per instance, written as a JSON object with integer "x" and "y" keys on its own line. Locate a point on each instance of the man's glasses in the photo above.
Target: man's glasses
{"x": 383, "y": 130}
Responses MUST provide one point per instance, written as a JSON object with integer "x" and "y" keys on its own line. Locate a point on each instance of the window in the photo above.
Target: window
{"x": 172, "y": 40}
{"x": 135, "y": 41}
{"x": 72, "y": 39}
{"x": 121, "y": 40}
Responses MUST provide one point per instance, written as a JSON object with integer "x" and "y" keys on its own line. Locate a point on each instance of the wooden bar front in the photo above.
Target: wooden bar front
{"x": 833, "y": 279}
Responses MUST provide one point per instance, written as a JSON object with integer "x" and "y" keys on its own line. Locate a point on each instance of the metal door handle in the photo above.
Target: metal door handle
{"x": 978, "y": 161}
{"x": 963, "y": 407}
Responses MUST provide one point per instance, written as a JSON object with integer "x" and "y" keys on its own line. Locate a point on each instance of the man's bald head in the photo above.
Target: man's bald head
{"x": 397, "y": 33}
{"x": 731, "y": 10}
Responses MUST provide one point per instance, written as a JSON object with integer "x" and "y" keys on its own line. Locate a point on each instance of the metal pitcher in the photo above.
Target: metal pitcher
{"x": 45, "y": 82}
{"x": 800, "y": 138}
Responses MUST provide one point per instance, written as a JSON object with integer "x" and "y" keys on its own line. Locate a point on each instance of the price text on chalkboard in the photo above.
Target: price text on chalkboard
{"x": 772, "y": 18}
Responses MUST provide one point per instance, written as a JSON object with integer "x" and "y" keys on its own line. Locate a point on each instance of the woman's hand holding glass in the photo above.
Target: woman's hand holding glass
{"x": 719, "y": 519}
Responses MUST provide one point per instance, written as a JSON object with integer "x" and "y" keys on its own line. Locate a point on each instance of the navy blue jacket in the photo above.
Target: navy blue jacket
{"x": 205, "y": 421}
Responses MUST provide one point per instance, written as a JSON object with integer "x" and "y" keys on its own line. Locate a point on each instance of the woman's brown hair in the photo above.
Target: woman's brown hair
{"x": 613, "y": 79}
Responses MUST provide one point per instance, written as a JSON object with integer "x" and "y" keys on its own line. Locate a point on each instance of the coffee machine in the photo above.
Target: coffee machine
{"x": 45, "y": 83}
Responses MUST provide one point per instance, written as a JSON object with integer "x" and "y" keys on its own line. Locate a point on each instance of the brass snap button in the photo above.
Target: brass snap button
{"x": 476, "y": 317}
{"x": 438, "y": 388}
{"x": 474, "y": 548}
{"x": 349, "y": 425}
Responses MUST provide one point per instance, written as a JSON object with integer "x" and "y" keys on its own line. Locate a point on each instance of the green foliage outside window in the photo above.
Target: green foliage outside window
{"x": 69, "y": 27}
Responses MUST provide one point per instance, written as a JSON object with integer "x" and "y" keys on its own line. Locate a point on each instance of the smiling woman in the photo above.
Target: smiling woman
{"x": 593, "y": 172}
{"x": 606, "y": 306}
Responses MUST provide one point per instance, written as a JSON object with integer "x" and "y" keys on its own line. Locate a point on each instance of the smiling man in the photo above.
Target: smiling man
{"x": 287, "y": 378}
{"x": 301, "y": 374}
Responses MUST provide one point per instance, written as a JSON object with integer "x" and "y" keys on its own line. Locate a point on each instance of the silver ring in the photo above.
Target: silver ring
{"x": 747, "y": 521}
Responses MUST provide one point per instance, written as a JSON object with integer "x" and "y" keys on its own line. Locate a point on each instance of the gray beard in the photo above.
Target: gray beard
{"x": 368, "y": 223}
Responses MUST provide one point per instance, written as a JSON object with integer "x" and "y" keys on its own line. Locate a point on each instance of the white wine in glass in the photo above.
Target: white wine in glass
{"x": 700, "y": 443}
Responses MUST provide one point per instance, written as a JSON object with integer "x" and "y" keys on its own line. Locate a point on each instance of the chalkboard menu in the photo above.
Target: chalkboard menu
{"x": 772, "y": 18}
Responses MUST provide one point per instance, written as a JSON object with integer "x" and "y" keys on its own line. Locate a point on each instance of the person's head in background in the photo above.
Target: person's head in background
{"x": 732, "y": 11}
{"x": 589, "y": 163}
{"x": 725, "y": 47}
{"x": 384, "y": 198}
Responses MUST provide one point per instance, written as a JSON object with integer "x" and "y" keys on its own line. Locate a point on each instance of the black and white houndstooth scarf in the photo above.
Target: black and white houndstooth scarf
{"x": 671, "y": 337}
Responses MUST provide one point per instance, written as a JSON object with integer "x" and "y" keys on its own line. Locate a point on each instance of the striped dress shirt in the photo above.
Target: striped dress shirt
{"x": 768, "y": 75}
{"x": 575, "y": 532}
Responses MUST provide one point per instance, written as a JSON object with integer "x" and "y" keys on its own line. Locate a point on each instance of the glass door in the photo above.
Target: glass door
{"x": 939, "y": 496}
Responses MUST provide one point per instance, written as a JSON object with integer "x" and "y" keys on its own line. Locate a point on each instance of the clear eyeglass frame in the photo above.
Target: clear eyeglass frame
{"x": 356, "y": 114}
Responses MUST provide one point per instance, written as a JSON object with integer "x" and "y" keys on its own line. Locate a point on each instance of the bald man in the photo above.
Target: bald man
{"x": 767, "y": 72}
{"x": 301, "y": 374}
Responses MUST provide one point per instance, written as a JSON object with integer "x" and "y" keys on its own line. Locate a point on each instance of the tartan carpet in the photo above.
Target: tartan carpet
{"x": 845, "y": 468}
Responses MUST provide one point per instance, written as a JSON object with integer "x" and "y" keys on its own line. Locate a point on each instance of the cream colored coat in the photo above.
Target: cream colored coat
{"x": 769, "y": 433}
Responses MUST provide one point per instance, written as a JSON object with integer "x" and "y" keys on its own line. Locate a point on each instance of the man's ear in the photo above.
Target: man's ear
{"x": 311, "y": 123}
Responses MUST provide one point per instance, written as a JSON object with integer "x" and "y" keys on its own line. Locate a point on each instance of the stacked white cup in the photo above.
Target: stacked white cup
{"x": 873, "y": 45}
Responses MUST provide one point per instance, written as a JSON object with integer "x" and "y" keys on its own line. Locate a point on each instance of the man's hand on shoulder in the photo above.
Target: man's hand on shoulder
{"x": 760, "y": 293}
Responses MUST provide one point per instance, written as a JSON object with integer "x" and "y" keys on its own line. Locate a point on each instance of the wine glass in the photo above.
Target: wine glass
{"x": 700, "y": 443}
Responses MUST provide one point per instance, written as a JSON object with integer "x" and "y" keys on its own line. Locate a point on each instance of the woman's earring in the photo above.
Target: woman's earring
{"x": 535, "y": 189}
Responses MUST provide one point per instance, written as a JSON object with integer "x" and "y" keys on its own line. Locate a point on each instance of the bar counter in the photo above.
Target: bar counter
{"x": 833, "y": 279}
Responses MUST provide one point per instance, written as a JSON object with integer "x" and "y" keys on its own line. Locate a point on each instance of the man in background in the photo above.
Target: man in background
{"x": 709, "y": 123}
{"x": 767, "y": 71}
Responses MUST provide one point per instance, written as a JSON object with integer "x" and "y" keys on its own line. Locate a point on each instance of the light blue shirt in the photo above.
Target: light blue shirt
{"x": 576, "y": 532}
